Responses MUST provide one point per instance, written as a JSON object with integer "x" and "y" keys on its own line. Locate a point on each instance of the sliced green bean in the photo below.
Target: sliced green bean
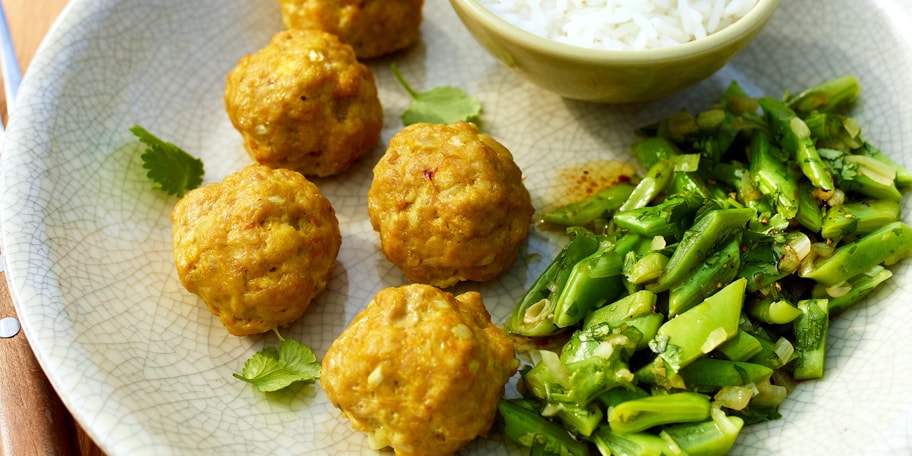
{"x": 610, "y": 443}
{"x": 704, "y": 327}
{"x": 671, "y": 217}
{"x": 592, "y": 282}
{"x": 633, "y": 305}
{"x": 709, "y": 438}
{"x": 810, "y": 336}
{"x": 773, "y": 311}
{"x": 534, "y": 314}
{"x": 795, "y": 137}
{"x": 742, "y": 347}
{"x": 809, "y": 213}
{"x": 886, "y": 245}
{"x": 528, "y": 428}
{"x": 641, "y": 414}
{"x": 583, "y": 212}
{"x": 720, "y": 268}
{"x": 854, "y": 290}
{"x": 656, "y": 180}
{"x": 710, "y": 232}
{"x": 860, "y": 217}
{"x": 828, "y": 96}
{"x": 710, "y": 374}
{"x": 771, "y": 176}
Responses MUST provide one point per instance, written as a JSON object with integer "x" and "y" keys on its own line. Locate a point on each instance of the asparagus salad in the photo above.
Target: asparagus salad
{"x": 688, "y": 303}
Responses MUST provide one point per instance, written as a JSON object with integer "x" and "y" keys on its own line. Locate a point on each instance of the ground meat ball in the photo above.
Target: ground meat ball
{"x": 256, "y": 247}
{"x": 449, "y": 204}
{"x": 305, "y": 103}
{"x": 372, "y": 27}
{"x": 420, "y": 370}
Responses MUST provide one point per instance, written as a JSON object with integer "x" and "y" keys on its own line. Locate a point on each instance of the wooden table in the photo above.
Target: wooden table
{"x": 32, "y": 418}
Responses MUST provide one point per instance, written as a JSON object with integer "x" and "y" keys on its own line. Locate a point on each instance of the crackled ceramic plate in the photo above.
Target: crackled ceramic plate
{"x": 146, "y": 369}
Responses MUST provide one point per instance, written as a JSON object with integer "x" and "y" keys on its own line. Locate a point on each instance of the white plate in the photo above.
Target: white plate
{"x": 146, "y": 369}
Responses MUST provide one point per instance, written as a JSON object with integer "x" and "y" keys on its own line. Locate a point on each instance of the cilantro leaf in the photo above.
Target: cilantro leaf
{"x": 442, "y": 105}
{"x": 272, "y": 369}
{"x": 170, "y": 168}
{"x": 843, "y": 169}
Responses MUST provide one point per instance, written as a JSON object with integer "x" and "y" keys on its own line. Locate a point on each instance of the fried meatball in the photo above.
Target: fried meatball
{"x": 372, "y": 27}
{"x": 256, "y": 247}
{"x": 305, "y": 103}
{"x": 419, "y": 370}
{"x": 449, "y": 204}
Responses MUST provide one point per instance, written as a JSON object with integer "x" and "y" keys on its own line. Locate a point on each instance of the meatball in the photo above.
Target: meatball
{"x": 419, "y": 370}
{"x": 372, "y": 27}
{"x": 449, "y": 204}
{"x": 256, "y": 247}
{"x": 305, "y": 103}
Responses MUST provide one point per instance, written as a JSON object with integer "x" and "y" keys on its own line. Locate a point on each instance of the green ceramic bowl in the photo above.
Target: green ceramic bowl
{"x": 609, "y": 76}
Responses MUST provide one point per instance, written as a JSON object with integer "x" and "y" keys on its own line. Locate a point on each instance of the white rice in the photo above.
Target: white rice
{"x": 621, "y": 24}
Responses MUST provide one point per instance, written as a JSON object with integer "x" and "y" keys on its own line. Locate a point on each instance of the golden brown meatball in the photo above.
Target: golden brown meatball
{"x": 305, "y": 103}
{"x": 420, "y": 370}
{"x": 256, "y": 247}
{"x": 449, "y": 204}
{"x": 372, "y": 27}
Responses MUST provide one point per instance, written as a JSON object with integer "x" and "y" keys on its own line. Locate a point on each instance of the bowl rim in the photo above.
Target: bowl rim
{"x": 758, "y": 15}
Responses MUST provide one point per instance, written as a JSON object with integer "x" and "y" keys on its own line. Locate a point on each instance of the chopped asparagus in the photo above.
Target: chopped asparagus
{"x": 641, "y": 414}
{"x": 712, "y": 230}
{"x": 611, "y": 443}
{"x": 741, "y": 347}
{"x": 534, "y": 315}
{"x": 771, "y": 176}
{"x": 841, "y": 298}
{"x": 671, "y": 217}
{"x": 860, "y": 217}
{"x": 528, "y": 428}
{"x": 795, "y": 137}
{"x": 719, "y": 269}
{"x": 592, "y": 281}
{"x": 886, "y": 245}
{"x": 809, "y": 215}
{"x": 702, "y": 328}
{"x": 758, "y": 221}
{"x": 773, "y": 311}
{"x": 710, "y": 374}
{"x": 583, "y": 212}
{"x": 828, "y": 96}
{"x": 633, "y": 305}
{"x": 708, "y": 438}
{"x": 657, "y": 178}
{"x": 862, "y": 174}
{"x": 811, "y": 334}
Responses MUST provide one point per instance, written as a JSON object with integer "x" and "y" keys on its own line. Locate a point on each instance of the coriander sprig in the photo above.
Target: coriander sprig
{"x": 441, "y": 105}
{"x": 172, "y": 170}
{"x": 272, "y": 369}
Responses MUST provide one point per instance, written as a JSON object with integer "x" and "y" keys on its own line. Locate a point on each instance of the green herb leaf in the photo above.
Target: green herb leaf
{"x": 171, "y": 169}
{"x": 442, "y": 105}
{"x": 835, "y": 159}
{"x": 272, "y": 369}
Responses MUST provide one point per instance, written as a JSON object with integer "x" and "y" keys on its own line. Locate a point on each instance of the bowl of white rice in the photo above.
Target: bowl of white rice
{"x": 614, "y": 51}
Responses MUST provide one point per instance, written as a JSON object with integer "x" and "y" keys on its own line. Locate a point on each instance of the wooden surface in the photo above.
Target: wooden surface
{"x": 32, "y": 418}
